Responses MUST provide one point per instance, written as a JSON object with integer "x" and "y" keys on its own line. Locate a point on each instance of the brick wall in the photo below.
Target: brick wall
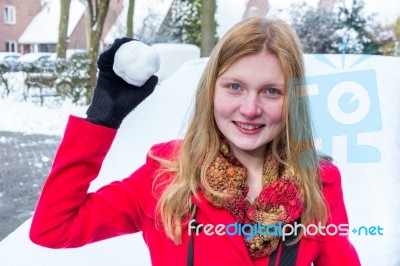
{"x": 77, "y": 39}
{"x": 24, "y": 12}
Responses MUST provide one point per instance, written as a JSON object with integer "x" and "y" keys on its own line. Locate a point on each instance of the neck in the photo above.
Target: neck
{"x": 252, "y": 160}
{"x": 254, "y": 163}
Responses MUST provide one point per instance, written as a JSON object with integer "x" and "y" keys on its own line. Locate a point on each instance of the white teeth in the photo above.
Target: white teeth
{"x": 248, "y": 127}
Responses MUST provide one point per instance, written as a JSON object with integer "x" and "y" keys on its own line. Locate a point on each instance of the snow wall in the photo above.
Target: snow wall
{"x": 355, "y": 101}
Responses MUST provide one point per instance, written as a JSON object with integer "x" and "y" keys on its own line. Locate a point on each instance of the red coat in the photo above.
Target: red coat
{"x": 68, "y": 216}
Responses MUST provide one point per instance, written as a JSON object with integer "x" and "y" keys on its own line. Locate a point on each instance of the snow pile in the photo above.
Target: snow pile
{"x": 370, "y": 189}
{"x": 173, "y": 55}
{"x": 31, "y": 118}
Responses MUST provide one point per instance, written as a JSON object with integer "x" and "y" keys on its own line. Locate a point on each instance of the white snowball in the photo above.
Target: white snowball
{"x": 135, "y": 62}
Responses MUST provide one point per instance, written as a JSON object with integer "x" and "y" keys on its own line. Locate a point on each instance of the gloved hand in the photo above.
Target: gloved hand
{"x": 114, "y": 98}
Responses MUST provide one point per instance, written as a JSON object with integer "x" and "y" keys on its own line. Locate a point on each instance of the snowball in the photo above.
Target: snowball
{"x": 135, "y": 62}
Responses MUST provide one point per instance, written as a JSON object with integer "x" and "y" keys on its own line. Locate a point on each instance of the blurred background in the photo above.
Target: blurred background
{"x": 48, "y": 53}
{"x": 47, "y": 35}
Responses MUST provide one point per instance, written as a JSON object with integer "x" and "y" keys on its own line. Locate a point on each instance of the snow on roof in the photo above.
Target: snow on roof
{"x": 44, "y": 26}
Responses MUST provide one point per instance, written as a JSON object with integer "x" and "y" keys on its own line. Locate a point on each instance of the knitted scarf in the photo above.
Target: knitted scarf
{"x": 280, "y": 201}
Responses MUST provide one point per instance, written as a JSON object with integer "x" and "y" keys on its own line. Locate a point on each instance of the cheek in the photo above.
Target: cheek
{"x": 220, "y": 112}
{"x": 276, "y": 114}
{"x": 222, "y": 108}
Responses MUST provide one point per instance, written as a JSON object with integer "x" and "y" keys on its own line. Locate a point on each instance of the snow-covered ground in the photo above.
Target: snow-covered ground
{"x": 370, "y": 188}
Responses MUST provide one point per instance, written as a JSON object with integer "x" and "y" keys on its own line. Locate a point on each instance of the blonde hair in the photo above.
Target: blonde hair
{"x": 202, "y": 141}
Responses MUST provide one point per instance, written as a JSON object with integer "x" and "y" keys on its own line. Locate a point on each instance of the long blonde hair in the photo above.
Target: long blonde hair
{"x": 202, "y": 140}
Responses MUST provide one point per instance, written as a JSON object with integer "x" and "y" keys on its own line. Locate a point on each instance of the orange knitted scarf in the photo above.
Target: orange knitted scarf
{"x": 280, "y": 201}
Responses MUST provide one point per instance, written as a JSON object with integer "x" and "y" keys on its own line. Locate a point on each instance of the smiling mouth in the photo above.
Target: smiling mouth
{"x": 247, "y": 126}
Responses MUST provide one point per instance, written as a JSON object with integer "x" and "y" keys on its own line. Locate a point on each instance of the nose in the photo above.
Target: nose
{"x": 251, "y": 106}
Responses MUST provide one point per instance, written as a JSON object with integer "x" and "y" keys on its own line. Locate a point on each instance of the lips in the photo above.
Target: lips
{"x": 248, "y": 127}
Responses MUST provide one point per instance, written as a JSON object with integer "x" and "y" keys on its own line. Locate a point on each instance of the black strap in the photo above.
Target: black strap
{"x": 272, "y": 257}
{"x": 190, "y": 256}
{"x": 288, "y": 254}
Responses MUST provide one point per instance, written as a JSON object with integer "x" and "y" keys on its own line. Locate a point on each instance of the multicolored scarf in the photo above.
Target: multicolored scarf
{"x": 280, "y": 201}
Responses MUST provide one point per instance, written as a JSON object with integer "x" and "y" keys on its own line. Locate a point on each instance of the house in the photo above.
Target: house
{"x": 41, "y": 34}
{"x": 15, "y": 16}
{"x": 33, "y": 27}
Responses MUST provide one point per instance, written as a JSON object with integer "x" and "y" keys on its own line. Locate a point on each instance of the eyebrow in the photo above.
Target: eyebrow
{"x": 236, "y": 80}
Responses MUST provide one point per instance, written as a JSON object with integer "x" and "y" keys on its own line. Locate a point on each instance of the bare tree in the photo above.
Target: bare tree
{"x": 129, "y": 22}
{"x": 97, "y": 15}
{"x": 208, "y": 27}
{"x": 62, "y": 43}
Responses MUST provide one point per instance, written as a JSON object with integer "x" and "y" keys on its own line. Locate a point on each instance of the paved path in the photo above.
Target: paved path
{"x": 25, "y": 160}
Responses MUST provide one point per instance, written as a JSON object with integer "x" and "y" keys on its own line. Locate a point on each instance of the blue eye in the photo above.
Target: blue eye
{"x": 272, "y": 91}
{"x": 234, "y": 87}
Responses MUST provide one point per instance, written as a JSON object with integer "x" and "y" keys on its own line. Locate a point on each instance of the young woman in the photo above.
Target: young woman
{"x": 247, "y": 162}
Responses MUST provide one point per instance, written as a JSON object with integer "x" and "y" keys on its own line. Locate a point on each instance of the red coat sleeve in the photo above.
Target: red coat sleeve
{"x": 66, "y": 214}
{"x": 336, "y": 249}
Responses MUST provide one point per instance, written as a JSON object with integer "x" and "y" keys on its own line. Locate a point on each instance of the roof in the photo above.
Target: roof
{"x": 44, "y": 26}
{"x": 119, "y": 23}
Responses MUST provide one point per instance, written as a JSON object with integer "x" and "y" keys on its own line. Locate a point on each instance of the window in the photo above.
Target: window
{"x": 11, "y": 46}
{"x": 26, "y": 48}
{"x": 47, "y": 47}
{"x": 9, "y": 15}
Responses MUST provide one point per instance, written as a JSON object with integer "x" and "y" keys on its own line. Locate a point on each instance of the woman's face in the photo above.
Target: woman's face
{"x": 248, "y": 102}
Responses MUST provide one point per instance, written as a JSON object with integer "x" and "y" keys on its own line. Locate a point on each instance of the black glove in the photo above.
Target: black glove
{"x": 113, "y": 98}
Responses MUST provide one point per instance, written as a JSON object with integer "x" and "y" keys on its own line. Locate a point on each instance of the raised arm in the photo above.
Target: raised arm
{"x": 66, "y": 214}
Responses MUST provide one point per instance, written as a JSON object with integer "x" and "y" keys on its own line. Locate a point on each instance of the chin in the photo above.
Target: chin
{"x": 248, "y": 145}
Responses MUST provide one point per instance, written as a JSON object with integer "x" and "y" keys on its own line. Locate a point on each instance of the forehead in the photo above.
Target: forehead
{"x": 263, "y": 67}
